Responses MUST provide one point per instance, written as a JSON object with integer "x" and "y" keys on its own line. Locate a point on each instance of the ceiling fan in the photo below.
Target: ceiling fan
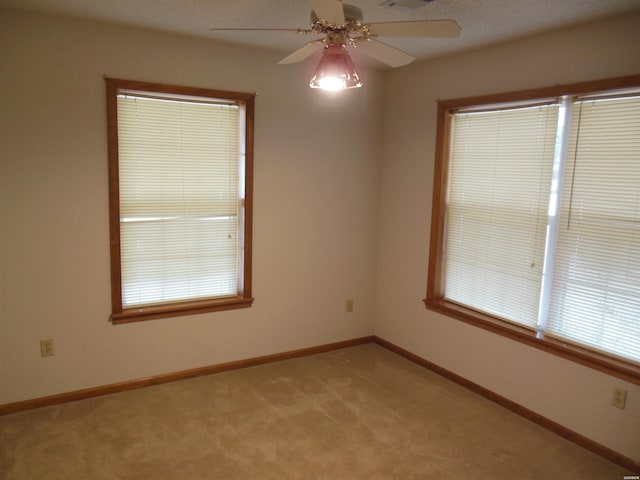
{"x": 343, "y": 27}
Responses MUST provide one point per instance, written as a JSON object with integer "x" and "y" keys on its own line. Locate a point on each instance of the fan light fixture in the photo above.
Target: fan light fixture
{"x": 343, "y": 27}
{"x": 336, "y": 70}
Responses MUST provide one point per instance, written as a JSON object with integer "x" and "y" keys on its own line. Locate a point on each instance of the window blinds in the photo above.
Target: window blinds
{"x": 179, "y": 164}
{"x": 595, "y": 297}
{"x": 500, "y": 172}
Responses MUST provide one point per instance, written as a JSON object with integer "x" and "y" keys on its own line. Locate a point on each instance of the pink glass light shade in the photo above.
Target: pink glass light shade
{"x": 336, "y": 70}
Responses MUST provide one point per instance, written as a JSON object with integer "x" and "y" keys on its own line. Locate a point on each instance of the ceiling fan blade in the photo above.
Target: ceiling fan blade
{"x": 385, "y": 53}
{"x": 330, "y": 11}
{"x": 422, "y": 28}
{"x": 297, "y": 30}
{"x": 303, "y": 52}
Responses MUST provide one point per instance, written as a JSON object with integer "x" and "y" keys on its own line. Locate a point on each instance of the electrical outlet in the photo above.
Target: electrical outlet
{"x": 46, "y": 348}
{"x": 348, "y": 306}
{"x": 619, "y": 397}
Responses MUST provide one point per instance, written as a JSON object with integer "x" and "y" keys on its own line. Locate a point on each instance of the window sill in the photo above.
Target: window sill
{"x": 598, "y": 361}
{"x": 179, "y": 309}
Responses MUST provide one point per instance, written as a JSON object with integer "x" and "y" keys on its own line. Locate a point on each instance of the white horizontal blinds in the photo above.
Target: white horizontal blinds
{"x": 500, "y": 174}
{"x": 596, "y": 285}
{"x": 178, "y": 166}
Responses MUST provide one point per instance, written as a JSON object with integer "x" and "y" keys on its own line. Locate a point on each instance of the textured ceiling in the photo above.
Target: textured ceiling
{"x": 483, "y": 22}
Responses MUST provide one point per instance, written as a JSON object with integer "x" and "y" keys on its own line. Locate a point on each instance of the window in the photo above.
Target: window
{"x": 536, "y": 219}
{"x": 180, "y": 178}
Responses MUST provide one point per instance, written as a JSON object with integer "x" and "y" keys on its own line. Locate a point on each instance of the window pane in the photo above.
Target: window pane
{"x": 497, "y": 205}
{"x": 596, "y": 284}
{"x": 179, "y": 199}
{"x": 178, "y": 259}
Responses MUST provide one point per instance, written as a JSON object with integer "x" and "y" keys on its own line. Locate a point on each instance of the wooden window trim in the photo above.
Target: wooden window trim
{"x": 435, "y": 300}
{"x": 245, "y": 300}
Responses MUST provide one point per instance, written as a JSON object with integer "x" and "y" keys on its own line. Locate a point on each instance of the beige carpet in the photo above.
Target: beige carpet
{"x": 356, "y": 413}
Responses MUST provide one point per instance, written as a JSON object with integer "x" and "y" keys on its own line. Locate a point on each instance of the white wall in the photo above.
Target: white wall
{"x": 570, "y": 394}
{"x": 315, "y": 221}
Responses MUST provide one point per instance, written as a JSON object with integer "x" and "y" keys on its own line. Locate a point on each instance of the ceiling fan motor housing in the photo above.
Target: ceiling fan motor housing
{"x": 352, "y": 14}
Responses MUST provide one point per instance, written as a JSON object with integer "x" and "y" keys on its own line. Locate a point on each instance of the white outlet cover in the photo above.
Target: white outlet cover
{"x": 619, "y": 398}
